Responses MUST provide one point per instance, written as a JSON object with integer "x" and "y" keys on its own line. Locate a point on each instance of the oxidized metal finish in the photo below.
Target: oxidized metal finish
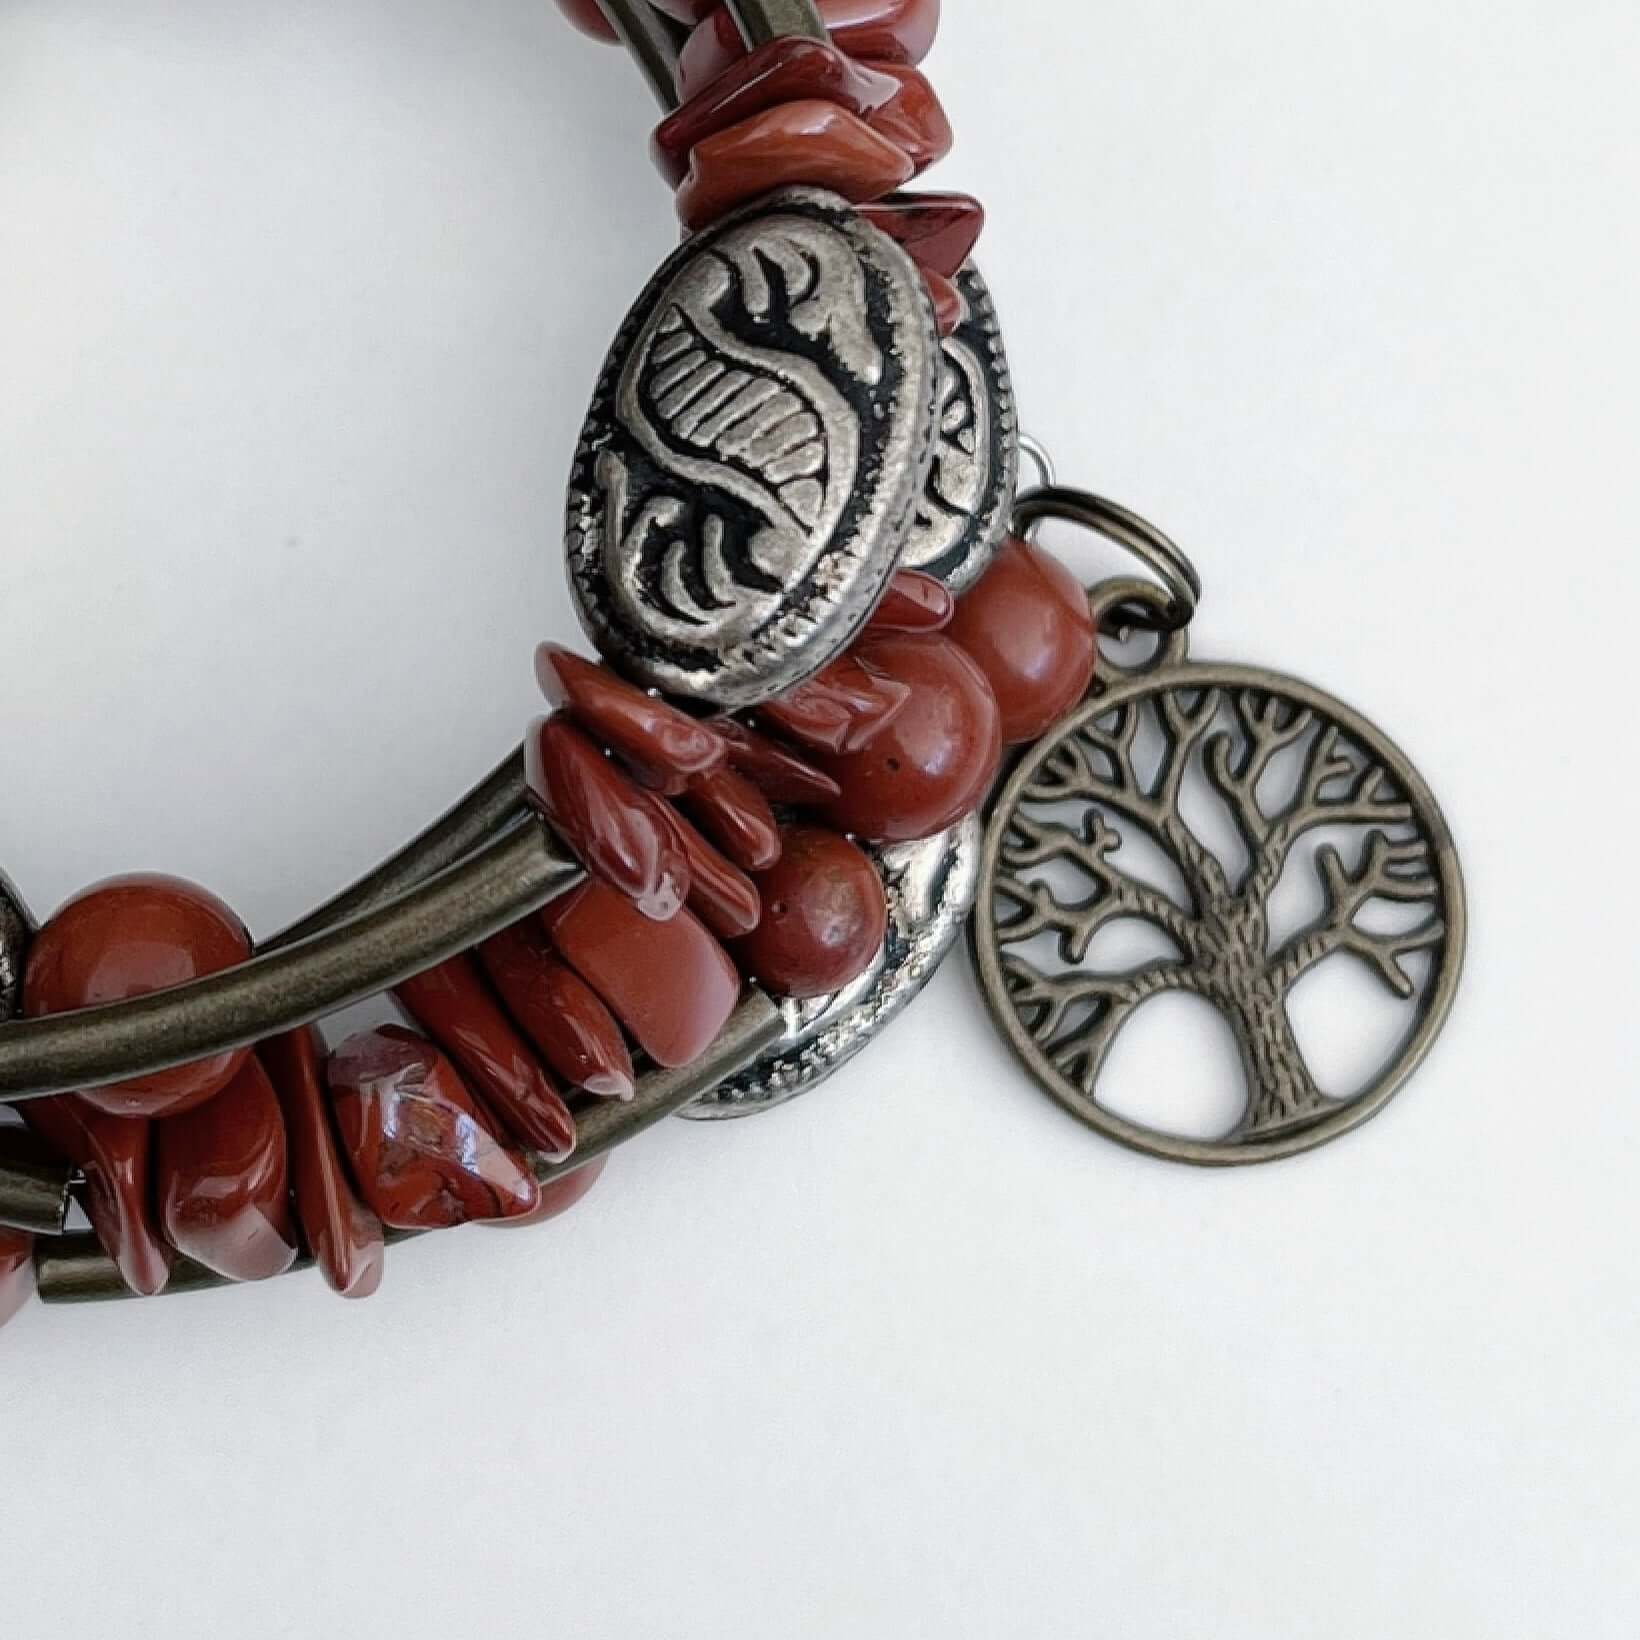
{"x": 654, "y": 40}
{"x": 760, "y": 434}
{"x": 34, "y": 1185}
{"x": 963, "y": 514}
{"x": 15, "y": 926}
{"x": 931, "y": 888}
{"x": 1309, "y": 786}
{"x": 760, "y": 21}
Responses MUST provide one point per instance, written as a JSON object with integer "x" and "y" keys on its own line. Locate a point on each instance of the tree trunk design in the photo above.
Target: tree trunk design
{"x": 1228, "y": 738}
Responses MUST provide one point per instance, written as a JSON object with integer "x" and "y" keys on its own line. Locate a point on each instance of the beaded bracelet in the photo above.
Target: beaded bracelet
{"x": 748, "y": 833}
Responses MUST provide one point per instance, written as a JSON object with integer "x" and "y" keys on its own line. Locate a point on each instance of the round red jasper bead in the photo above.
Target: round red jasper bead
{"x": 1027, "y": 624}
{"x": 824, "y": 916}
{"x": 125, "y": 938}
{"x": 934, "y": 760}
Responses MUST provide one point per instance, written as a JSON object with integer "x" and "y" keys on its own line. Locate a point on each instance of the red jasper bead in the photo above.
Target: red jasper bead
{"x": 588, "y": 17}
{"x": 777, "y": 771}
{"x": 915, "y": 120}
{"x": 936, "y": 760}
{"x": 222, "y": 1180}
{"x": 454, "y": 1007}
{"x": 824, "y": 916}
{"x": 609, "y": 823}
{"x": 720, "y": 893}
{"x": 811, "y": 142}
{"x": 559, "y": 1012}
{"x": 786, "y": 70}
{"x": 16, "y": 1272}
{"x": 840, "y": 708}
{"x": 896, "y": 31}
{"x": 421, "y": 1151}
{"x": 125, "y": 938}
{"x": 559, "y": 1196}
{"x": 343, "y": 1235}
{"x": 939, "y": 231}
{"x": 914, "y": 603}
{"x": 1027, "y": 625}
{"x": 658, "y": 740}
{"x": 736, "y": 816}
{"x": 114, "y": 1153}
{"x": 949, "y": 307}
{"x": 670, "y": 984}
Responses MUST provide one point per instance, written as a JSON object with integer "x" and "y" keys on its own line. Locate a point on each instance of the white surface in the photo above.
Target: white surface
{"x": 299, "y": 308}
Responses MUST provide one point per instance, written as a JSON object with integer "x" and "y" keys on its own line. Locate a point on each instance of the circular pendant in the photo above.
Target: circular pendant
{"x": 1293, "y": 799}
{"x": 930, "y": 893}
{"x": 14, "y": 932}
{"x": 759, "y": 437}
{"x": 963, "y": 514}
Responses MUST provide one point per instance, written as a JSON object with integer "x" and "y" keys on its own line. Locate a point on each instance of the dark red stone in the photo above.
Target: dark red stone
{"x": 114, "y": 1153}
{"x": 222, "y": 1180}
{"x": 720, "y": 893}
{"x": 936, "y": 760}
{"x": 454, "y": 1007}
{"x": 658, "y": 740}
{"x": 421, "y": 1152}
{"x": 914, "y": 121}
{"x": 343, "y": 1235}
{"x": 16, "y": 1272}
{"x": 812, "y": 142}
{"x": 588, "y": 17}
{"x": 777, "y": 771}
{"x": 939, "y": 231}
{"x": 606, "y": 820}
{"x": 949, "y": 307}
{"x": 559, "y": 1196}
{"x": 898, "y": 31}
{"x": 1027, "y": 624}
{"x": 736, "y": 816}
{"x": 840, "y": 708}
{"x": 824, "y": 916}
{"x": 670, "y": 984}
{"x": 125, "y": 938}
{"x": 914, "y": 603}
{"x": 786, "y": 70}
{"x": 559, "y": 1012}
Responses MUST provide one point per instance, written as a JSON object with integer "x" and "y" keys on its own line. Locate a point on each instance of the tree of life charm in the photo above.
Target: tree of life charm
{"x": 1306, "y": 786}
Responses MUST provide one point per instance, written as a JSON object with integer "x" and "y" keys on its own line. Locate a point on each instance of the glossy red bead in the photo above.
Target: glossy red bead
{"x": 1027, "y": 624}
{"x": 840, "y": 708}
{"x": 222, "y": 1180}
{"x": 720, "y": 893}
{"x": 949, "y": 307}
{"x": 559, "y": 1012}
{"x": 913, "y": 603}
{"x": 814, "y": 143}
{"x": 421, "y": 1151}
{"x": 786, "y": 70}
{"x": 589, "y": 18}
{"x": 343, "y": 1235}
{"x": 776, "y": 770}
{"x": 897, "y": 31}
{"x": 559, "y": 1196}
{"x": 824, "y": 916}
{"x": 736, "y": 816}
{"x": 914, "y": 120}
{"x": 670, "y": 984}
{"x": 115, "y": 1154}
{"x": 606, "y": 820}
{"x": 454, "y": 1006}
{"x": 936, "y": 760}
{"x": 656, "y": 739}
{"x": 938, "y": 231}
{"x": 125, "y": 938}
{"x": 16, "y": 1272}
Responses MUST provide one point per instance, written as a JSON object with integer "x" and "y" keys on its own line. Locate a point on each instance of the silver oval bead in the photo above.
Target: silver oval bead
{"x": 931, "y": 887}
{"x": 759, "y": 437}
{"x": 963, "y": 515}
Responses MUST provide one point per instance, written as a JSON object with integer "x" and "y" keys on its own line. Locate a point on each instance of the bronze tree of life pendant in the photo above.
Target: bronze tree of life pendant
{"x": 1307, "y": 786}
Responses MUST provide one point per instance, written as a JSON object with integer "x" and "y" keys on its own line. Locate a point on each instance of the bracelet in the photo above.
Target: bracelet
{"x": 843, "y": 703}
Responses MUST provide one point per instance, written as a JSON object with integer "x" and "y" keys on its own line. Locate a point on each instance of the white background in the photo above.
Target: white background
{"x": 299, "y": 308}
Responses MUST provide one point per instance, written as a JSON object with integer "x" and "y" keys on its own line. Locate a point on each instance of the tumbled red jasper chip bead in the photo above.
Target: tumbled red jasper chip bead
{"x": 125, "y": 938}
